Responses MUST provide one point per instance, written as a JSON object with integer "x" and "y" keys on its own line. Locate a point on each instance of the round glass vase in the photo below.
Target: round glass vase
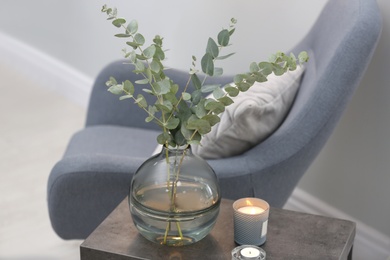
{"x": 174, "y": 197}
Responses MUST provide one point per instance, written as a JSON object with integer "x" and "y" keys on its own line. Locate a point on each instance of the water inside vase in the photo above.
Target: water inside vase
{"x": 187, "y": 220}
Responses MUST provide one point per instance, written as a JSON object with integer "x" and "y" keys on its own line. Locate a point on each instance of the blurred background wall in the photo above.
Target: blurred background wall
{"x": 352, "y": 173}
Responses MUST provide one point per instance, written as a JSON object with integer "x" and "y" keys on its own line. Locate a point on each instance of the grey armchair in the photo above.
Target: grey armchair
{"x": 95, "y": 171}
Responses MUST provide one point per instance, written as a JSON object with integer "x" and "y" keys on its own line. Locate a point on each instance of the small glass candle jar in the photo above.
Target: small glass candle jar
{"x": 248, "y": 252}
{"x": 250, "y": 221}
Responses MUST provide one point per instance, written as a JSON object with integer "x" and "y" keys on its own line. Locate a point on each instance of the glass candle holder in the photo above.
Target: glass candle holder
{"x": 248, "y": 252}
{"x": 250, "y": 221}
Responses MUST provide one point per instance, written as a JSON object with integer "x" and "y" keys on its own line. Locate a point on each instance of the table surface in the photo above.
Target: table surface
{"x": 290, "y": 235}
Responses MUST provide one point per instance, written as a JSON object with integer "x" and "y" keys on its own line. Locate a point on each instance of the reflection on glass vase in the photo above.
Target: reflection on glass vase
{"x": 174, "y": 197}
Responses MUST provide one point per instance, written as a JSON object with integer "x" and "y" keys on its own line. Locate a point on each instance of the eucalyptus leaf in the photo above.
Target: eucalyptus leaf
{"x": 172, "y": 123}
{"x": 266, "y": 68}
{"x": 122, "y": 35}
{"x": 225, "y": 56}
{"x": 201, "y": 125}
{"x": 227, "y": 101}
{"x": 212, "y": 119}
{"x": 150, "y": 51}
{"x": 186, "y": 96}
{"x": 155, "y": 66}
{"x": 208, "y": 64}
{"x": 139, "y": 38}
{"x": 303, "y": 57}
{"x": 253, "y": 67}
{"x": 224, "y": 37}
{"x": 218, "y": 93}
{"x": 164, "y": 138}
{"x": 141, "y": 101}
{"x": 164, "y": 86}
{"x": 232, "y": 91}
{"x": 196, "y": 96}
{"x": 132, "y": 27}
{"x": 133, "y": 44}
{"x": 128, "y": 87}
{"x": 212, "y": 48}
{"x": 118, "y": 22}
{"x": 142, "y": 81}
{"x": 116, "y": 89}
{"x": 125, "y": 97}
{"x": 196, "y": 81}
{"x": 214, "y": 106}
{"x": 209, "y": 88}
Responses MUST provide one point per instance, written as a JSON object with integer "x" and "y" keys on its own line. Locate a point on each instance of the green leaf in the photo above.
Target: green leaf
{"x": 128, "y": 87}
{"x": 132, "y": 27}
{"x": 196, "y": 81}
{"x": 172, "y": 123}
{"x": 218, "y": 93}
{"x": 208, "y": 64}
{"x": 125, "y": 97}
{"x": 142, "y": 81}
{"x": 243, "y": 86}
{"x": 225, "y": 56}
{"x": 303, "y": 57}
{"x": 199, "y": 109}
{"x": 209, "y": 88}
{"x": 196, "y": 96}
{"x": 259, "y": 77}
{"x": 122, "y": 35}
{"x": 214, "y": 106}
{"x": 212, "y": 119}
{"x": 118, "y": 22}
{"x": 140, "y": 67}
{"x": 266, "y": 68}
{"x": 278, "y": 70}
{"x": 164, "y": 138}
{"x": 150, "y": 51}
{"x": 253, "y": 67}
{"x": 155, "y": 66}
{"x": 212, "y": 48}
{"x": 187, "y": 133}
{"x": 201, "y": 125}
{"x": 186, "y": 96}
{"x": 223, "y": 37}
{"x": 165, "y": 107}
{"x": 227, "y": 101}
{"x": 139, "y": 38}
{"x": 179, "y": 138}
{"x": 232, "y": 91}
{"x": 111, "y": 82}
{"x": 141, "y": 101}
{"x": 163, "y": 87}
{"x": 149, "y": 91}
{"x": 133, "y": 44}
{"x": 159, "y": 54}
{"x": 116, "y": 89}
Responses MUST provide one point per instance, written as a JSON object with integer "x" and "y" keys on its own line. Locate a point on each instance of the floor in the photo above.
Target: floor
{"x": 36, "y": 125}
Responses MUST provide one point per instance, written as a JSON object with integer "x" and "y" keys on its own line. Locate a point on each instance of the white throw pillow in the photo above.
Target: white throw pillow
{"x": 254, "y": 115}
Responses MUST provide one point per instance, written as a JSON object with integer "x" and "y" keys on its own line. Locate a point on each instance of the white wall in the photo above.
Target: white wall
{"x": 351, "y": 173}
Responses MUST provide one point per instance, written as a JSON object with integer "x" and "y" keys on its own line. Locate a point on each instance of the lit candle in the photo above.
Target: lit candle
{"x": 250, "y": 218}
{"x": 250, "y": 252}
{"x": 247, "y": 252}
{"x": 251, "y": 210}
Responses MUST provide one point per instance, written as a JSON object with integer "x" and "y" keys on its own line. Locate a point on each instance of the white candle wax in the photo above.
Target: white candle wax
{"x": 251, "y": 210}
{"x": 250, "y": 252}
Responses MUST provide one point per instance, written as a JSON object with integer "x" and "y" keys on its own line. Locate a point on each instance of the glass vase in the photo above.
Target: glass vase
{"x": 174, "y": 197}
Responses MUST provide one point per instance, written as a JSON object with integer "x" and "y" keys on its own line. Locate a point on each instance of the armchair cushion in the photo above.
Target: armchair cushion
{"x": 254, "y": 115}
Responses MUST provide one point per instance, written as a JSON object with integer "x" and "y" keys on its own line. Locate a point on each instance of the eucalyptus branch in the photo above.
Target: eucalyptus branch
{"x": 186, "y": 117}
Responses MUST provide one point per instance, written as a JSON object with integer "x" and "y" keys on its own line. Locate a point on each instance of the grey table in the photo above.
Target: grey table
{"x": 291, "y": 235}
